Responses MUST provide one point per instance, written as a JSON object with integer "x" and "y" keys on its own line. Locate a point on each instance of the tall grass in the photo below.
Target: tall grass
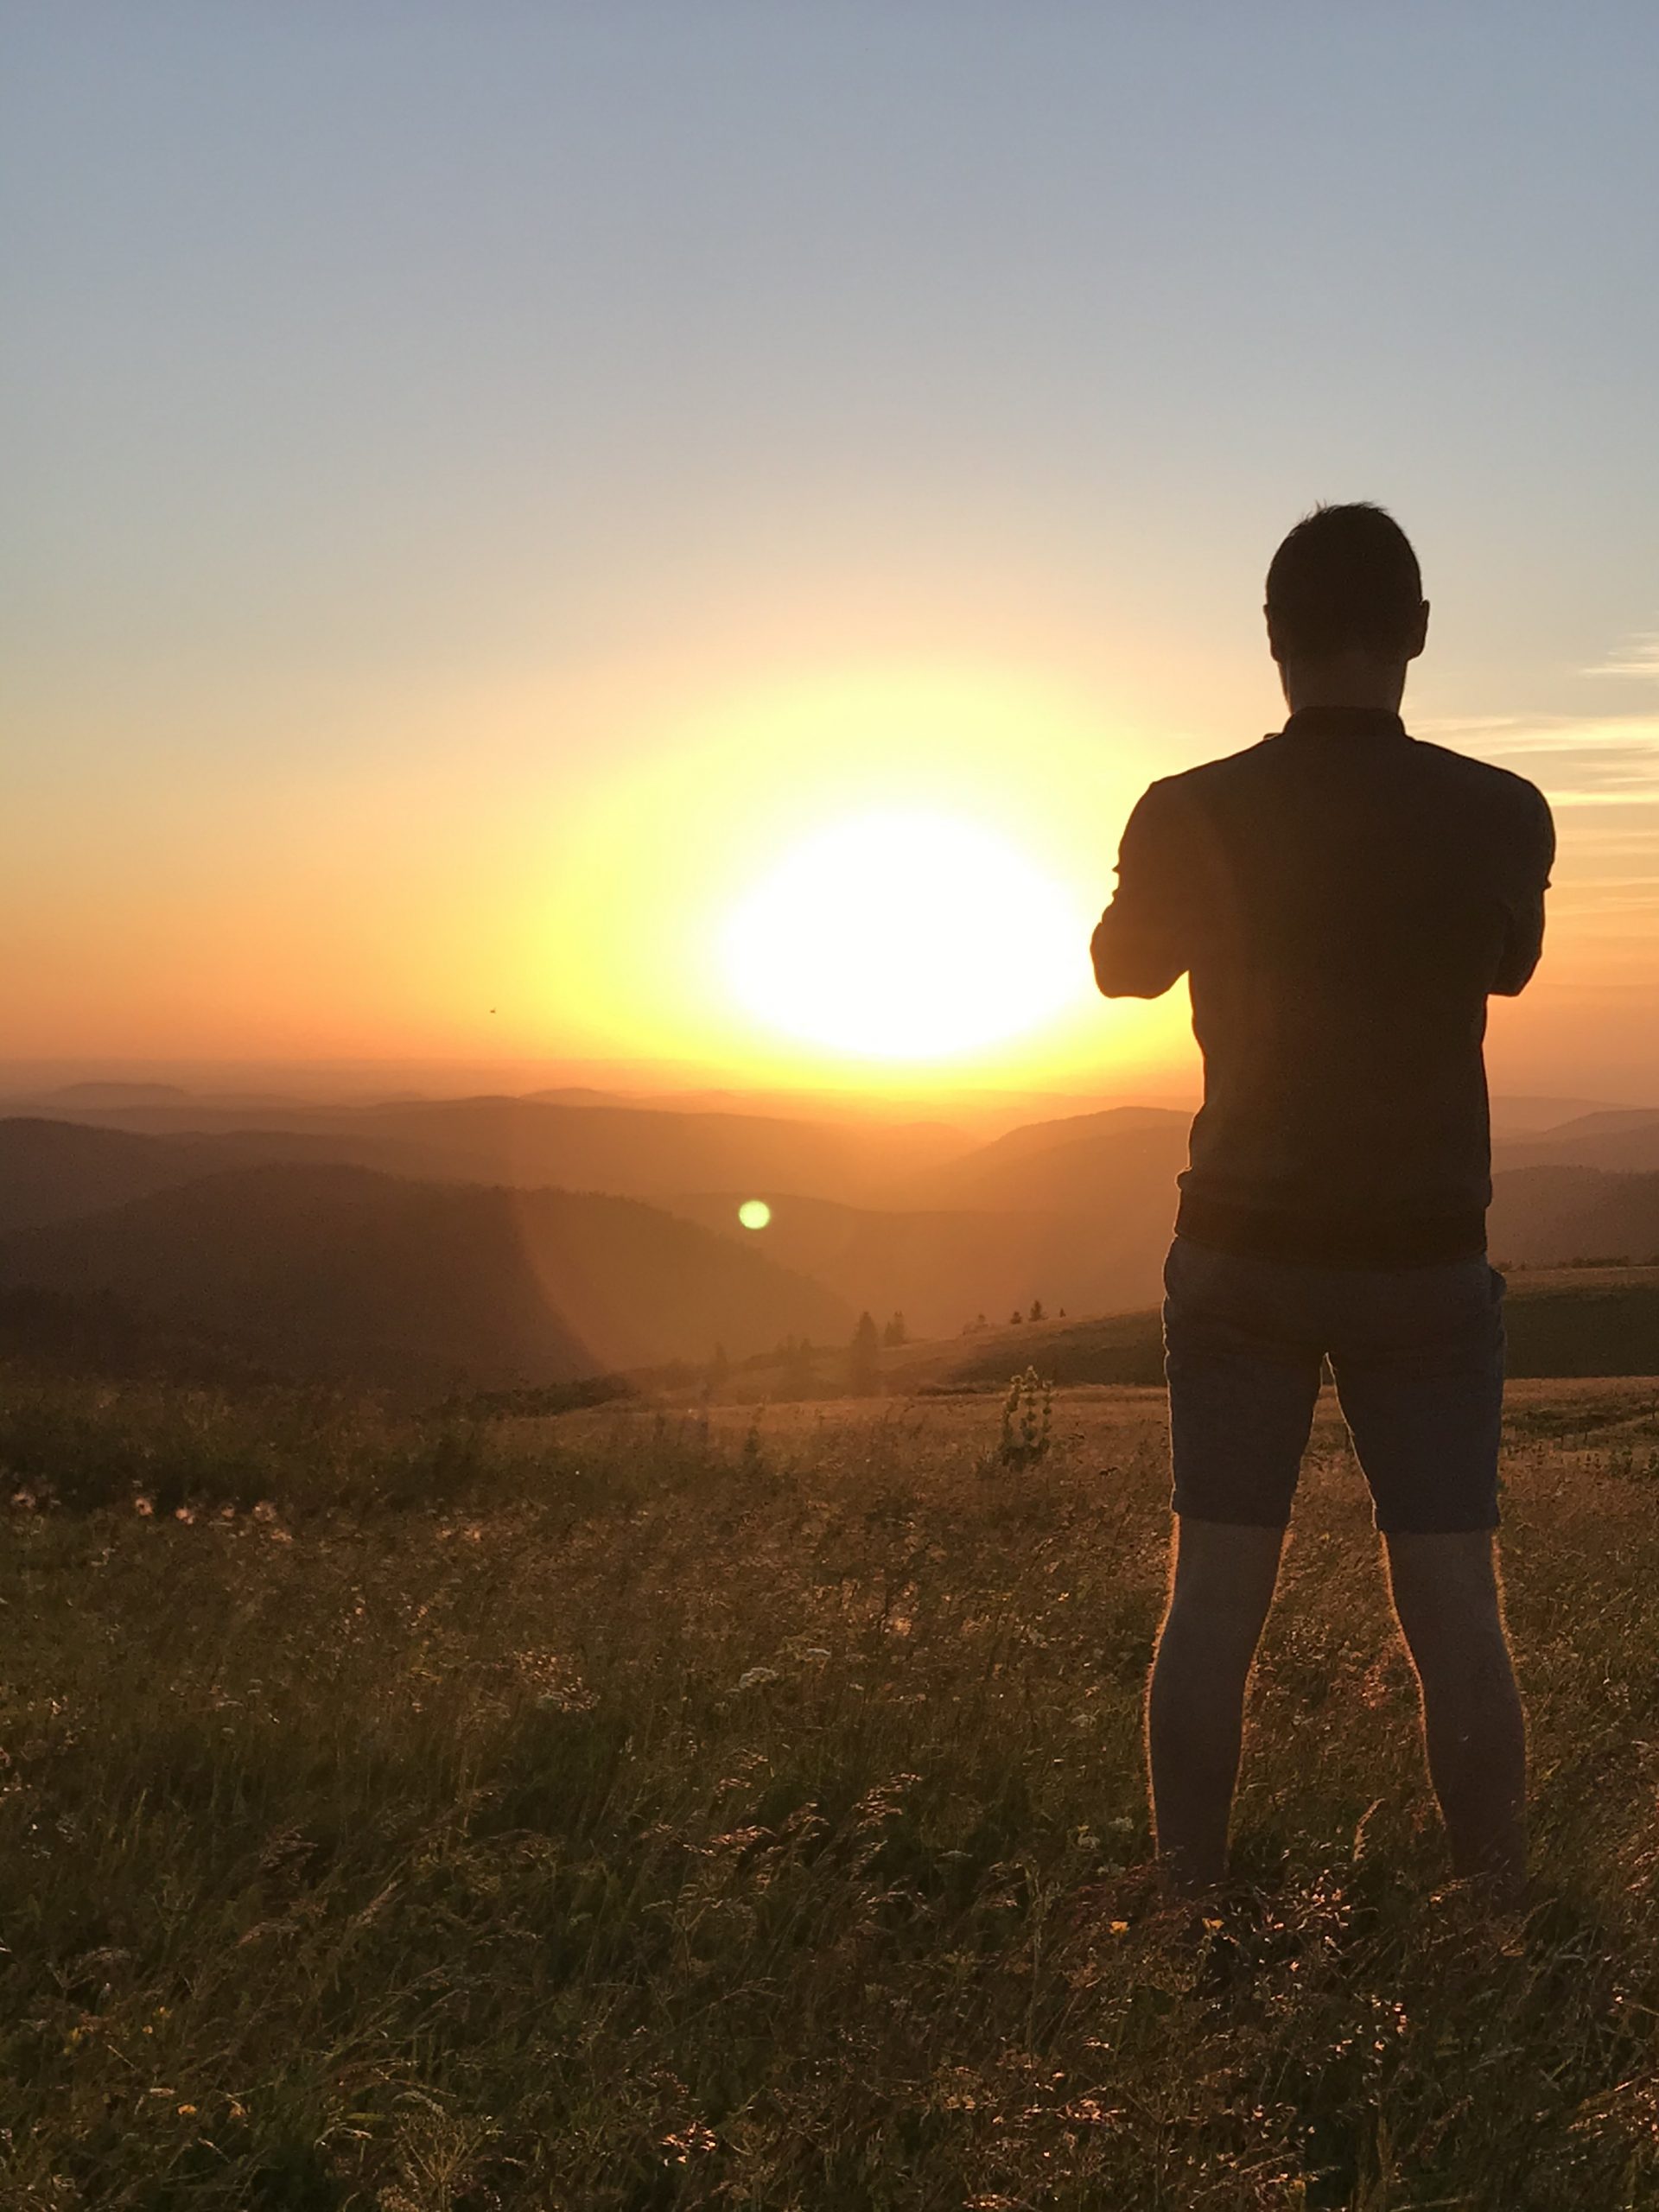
{"x": 617, "y": 1813}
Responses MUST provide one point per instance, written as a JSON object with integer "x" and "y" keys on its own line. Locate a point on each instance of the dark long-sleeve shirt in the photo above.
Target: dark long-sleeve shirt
{"x": 1343, "y": 899}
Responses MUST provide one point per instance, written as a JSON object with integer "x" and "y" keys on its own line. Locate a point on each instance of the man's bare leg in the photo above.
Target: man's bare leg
{"x": 1221, "y": 1586}
{"x": 1446, "y": 1593}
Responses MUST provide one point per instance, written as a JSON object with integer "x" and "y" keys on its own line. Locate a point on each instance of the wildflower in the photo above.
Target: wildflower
{"x": 144, "y": 1506}
{"x": 23, "y": 1498}
{"x": 1119, "y": 1927}
{"x": 228, "y": 1513}
{"x": 264, "y": 1511}
{"x": 695, "y": 2138}
{"x": 183, "y": 1513}
{"x": 281, "y": 1536}
{"x": 185, "y": 2110}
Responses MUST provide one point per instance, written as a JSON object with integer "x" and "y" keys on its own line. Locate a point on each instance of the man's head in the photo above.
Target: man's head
{"x": 1345, "y": 609}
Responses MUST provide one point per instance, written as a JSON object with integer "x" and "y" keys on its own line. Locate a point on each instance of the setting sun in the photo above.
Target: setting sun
{"x": 903, "y": 936}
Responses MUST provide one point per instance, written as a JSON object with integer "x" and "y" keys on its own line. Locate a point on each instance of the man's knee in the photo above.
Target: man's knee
{"x": 1221, "y": 1587}
{"x": 1447, "y": 1596}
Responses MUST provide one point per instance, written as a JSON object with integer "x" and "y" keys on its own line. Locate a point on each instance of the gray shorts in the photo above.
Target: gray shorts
{"x": 1418, "y": 1357}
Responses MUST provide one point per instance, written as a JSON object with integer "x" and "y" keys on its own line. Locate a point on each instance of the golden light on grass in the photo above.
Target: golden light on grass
{"x": 903, "y": 935}
{"x": 754, "y": 1213}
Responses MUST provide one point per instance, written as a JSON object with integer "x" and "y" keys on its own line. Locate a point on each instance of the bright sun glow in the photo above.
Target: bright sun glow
{"x": 904, "y": 937}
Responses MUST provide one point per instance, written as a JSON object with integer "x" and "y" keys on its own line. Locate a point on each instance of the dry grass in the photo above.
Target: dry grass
{"x": 643, "y": 1811}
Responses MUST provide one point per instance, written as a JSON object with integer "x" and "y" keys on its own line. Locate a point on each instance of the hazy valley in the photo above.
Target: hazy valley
{"x": 435, "y": 1245}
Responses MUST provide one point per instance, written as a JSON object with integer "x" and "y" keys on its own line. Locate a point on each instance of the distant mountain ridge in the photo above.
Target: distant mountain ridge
{"x": 627, "y": 1151}
{"x": 339, "y": 1271}
{"x": 54, "y": 1171}
{"x": 1075, "y": 1212}
{"x": 1620, "y": 1138}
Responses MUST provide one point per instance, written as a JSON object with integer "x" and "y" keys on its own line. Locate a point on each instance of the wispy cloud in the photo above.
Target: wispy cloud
{"x": 1640, "y": 657}
{"x": 1605, "y": 760}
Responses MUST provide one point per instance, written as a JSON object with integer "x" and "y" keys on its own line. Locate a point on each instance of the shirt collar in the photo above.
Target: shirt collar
{"x": 1345, "y": 721}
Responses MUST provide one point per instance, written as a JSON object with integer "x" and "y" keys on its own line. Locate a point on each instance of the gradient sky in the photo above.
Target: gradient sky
{"x": 484, "y": 481}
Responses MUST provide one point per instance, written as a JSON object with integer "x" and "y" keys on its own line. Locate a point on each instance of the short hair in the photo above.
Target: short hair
{"x": 1344, "y": 577}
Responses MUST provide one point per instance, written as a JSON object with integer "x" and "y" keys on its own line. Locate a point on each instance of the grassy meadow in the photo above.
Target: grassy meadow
{"x": 650, "y": 1809}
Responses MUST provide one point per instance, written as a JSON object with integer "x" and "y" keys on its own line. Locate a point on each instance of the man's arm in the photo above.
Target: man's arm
{"x": 1523, "y": 935}
{"x": 1143, "y": 942}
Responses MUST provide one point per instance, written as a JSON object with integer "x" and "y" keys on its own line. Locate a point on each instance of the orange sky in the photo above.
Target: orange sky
{"x": 451, "y": 893}
{"x": 450, "y": 578}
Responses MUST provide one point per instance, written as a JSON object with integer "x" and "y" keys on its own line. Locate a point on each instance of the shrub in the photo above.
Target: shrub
{"x": 1027, "y": 1420}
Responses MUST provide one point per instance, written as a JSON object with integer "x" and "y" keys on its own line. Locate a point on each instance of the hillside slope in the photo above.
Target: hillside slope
{"x": 1620, "y": 1138}
{"x": 1075, "y": 1213}
{"x": 1056, "y": 1167}
{"x": 1558, "y": 1322}
{"x": 1549, "y": 1216}
{"x": 53, "y": 1171}
{"x": 56, "y": 1171}
{"x": 342, "y": 1272}
{"x": 628, "y": 1151}
{"x": 941, "y": 1268}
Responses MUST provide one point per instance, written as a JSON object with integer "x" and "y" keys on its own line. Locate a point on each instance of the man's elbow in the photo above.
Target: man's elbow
{"x": 1126, "y": 970}
{"x": 1514, "y": 978}
{"x": 1120, "y": 982}
{"x": 1522, "y": 953}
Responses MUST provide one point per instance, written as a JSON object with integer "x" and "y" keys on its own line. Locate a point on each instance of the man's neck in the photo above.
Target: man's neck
{"x": 1349, "y": 680}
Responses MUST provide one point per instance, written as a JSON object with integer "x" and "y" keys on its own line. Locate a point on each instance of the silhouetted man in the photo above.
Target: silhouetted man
{"x": 1343, "y": 897}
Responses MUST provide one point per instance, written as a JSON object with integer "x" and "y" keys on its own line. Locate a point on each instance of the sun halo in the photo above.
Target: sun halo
{"x": 903, "y": 935}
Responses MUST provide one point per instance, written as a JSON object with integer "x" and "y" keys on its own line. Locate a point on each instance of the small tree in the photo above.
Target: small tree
{"x": 896, "y": 1332}
{"x": 864, "y": 1362}
{"x": 1015, "y": 1318}
{"x": 798, "y": 1375}
{"x": 1037, "y": 1312}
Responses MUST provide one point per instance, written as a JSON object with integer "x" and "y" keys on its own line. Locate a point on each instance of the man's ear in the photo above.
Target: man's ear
{"x": 1419, "y": 635}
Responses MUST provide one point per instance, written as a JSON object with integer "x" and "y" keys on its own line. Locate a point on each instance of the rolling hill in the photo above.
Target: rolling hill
{"x": 345, "y": 1273}
{"x": 627, "y": 1151}
{"x": 1620, "y": 1139}
{"x": 1558, "y": 1322}
{"x": 1076, "y": 1211}
{"x": 1056, "y": 1167}
{"x": 940, "y": 1269}
{"x": 1546, "y": 1217}
{"x": 53, "y": 1171}
{"x": 56, "y": 1171}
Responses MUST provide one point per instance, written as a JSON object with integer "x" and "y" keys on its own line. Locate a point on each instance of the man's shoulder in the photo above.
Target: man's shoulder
{"x": 1212, "y": 777}
{"x": 1267, "y": 759}
{"x": 1500, "y": 788}
{"x": 1482, "y": 782}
